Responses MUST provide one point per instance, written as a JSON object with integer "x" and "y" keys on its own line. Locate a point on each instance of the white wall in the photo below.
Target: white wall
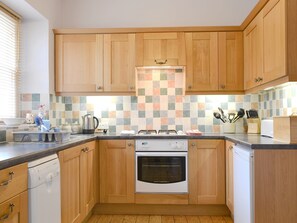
{"x": 50, "y": 9}
{"x": 35, "y": 56}
{"x": 153, "y": 13}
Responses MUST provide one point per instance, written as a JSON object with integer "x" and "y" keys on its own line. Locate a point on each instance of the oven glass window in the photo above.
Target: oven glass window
{"x": 161, "y": 170}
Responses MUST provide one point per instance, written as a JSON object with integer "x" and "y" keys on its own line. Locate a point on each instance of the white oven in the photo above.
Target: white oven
{"x": 161, "y": 166}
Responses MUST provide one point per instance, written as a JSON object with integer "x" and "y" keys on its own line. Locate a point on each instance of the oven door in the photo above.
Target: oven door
{"x": 161, "y": 172}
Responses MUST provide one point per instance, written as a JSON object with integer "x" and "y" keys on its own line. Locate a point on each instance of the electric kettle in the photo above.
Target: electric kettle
{"x": 90, "y": 123}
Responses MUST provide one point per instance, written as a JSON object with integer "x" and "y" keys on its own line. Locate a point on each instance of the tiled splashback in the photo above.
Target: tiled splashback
{"x": 161, "y": 104}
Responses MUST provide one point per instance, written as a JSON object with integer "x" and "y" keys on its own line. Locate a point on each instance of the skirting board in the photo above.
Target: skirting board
{"x": 149, "y": 209}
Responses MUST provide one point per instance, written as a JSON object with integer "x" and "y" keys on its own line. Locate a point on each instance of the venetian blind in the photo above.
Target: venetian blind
{"x": 9, "y": 63}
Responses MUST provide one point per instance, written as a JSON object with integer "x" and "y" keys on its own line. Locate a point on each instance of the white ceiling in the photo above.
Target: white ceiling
{"x": 154, "y": 13}
{"x": 135, "y": 13}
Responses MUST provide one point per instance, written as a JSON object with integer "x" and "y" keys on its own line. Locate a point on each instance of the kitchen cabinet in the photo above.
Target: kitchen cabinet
{"x": 15, "y": 210}
{"x": 154, "y": 49}
{"x": 119, "y": 63}
{"x": 202, "y": 61}
{"x": 206, "y": 171}
{"x": 229, "y": 176}
{"x": 95, "y": 64}
{"x": 253, "y": 54}
{"x": 275, "y": 185}
{"x": 79, "y": 181}
{"x": 214, "y": 62}
{"x": 79, "y": 63}
{"x": 274, "y": 40}
{"x": 14, "y": 195}
{"x": 270, "y": 46}
{"x": 117, "y": 180}
{"x": 230, "y": 61}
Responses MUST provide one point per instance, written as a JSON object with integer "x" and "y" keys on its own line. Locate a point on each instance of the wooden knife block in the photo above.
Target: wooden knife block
{"x": 254, "y": 125}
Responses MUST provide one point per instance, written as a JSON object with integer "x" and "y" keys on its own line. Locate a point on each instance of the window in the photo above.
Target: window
{"x": 9, "y": 63}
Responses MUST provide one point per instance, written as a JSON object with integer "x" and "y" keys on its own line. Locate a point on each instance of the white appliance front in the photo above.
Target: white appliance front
{"x": 159, "y": 186}
{"x": 44, "y": 190}
{"x": 243, "y": 185}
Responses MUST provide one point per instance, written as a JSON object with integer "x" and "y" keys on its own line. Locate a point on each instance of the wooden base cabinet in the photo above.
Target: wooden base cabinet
{"x": 15, "y": 210}
{"x": 206, "y": 172}
{"x": 78, "y": 181}
{"x": 117, "y": 180}
{"x": 229, "y": 177}
{"x": 13, "y": 194}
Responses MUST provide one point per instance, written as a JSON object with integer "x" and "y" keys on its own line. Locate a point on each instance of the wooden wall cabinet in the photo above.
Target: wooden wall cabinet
{"x": 206, "y": 172}
{"x": 214, "y": 62}
{"x": 79, "y": 63}
{"x": 119, "y": 63}
{"x": 117, "y": 180}
{"x": 270, "y": 46}
{"x": 253, "y": 53}
{"x": 229, "y": 176}
{"x": 95, "y": 63}
{"x": 154, "y": 49}
{"x": 230, "y": 62}
{"x": 14, "y": 195}
{"x": 79, "y": 181}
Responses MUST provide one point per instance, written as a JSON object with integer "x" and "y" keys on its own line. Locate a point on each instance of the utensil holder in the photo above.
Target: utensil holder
{"x": 229, "y": 127}
{"x": 254, "y": 125}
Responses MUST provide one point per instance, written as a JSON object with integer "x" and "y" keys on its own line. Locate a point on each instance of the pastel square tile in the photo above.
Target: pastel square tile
{"x": 112, "y": 114}
{"x": 164, "y": 84}
{"x": 163, "y": 91}
{"x": 149, "y": 107}
{"x": 156, "y": 114}
{"x": 171, "y": 106}
{"x": 186, "y": 113}
{"x": 104, "y": 114}
{"x": 141, "y": 106}
{"x": 26, "y": 97}
{"x": 127, "y": 114}
{"x": 134, "y": 99}
{"x": 119, "y": 107}
{"x": 148, "y": 99}
{"x": 141, "y": 91}
{"x": 179, "y": 98}
{"x": 156, "y": 84}
{"x": 156, "y": 91}
{"x": 141, "y": 114}
{"x": 164, "y": 121}
{"x": 163, "y": 76}
{"x": 141, "y": 99}
{"x": 171, "y": 91}
{"x": 148, "y": 76}
{"x": 164, "y": 113}
{"x": 179, "y": 113}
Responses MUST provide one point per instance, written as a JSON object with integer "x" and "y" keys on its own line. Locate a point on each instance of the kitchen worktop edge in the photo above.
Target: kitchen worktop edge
{"x": 15, "y": 153}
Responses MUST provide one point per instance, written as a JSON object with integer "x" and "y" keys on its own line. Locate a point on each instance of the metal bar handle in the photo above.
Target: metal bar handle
{"x": 5, "y": 216}
{"x": 6, "y": 182}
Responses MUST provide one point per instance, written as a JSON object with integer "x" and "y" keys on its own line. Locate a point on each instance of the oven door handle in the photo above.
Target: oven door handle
{"x": 168, "y": 154}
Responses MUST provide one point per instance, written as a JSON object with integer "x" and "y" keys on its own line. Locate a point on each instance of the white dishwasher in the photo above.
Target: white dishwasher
{"x": 243, "y": 184}
{"x": 44, "y": 190}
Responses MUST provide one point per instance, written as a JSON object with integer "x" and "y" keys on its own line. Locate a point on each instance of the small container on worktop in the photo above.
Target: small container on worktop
{"x": 285, "y": 128}
{"x": 229, "y": 127}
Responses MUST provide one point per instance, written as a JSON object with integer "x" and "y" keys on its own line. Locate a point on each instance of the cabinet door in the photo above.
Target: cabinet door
{"x": 119, "y": 62}
{"x": 89, "y": 163}
{"x": 253, "y": 53}
{"x": 14, "y": 180}
{"x": 15, "y": 210}
{"x": 230, "y": 61}
{"x": 202, "y": 61}
{"x": 229, "y": 176}
{"x": 79, "y": 63}
{"x": 153, "y": 49}
{"x": 274, "y": 47}
{"x": 206, "y": 172}
{"x": 71, "y": 185}
{"x": 117, "y": 180}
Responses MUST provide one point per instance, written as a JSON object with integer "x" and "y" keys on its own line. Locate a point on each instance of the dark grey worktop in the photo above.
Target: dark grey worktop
{"x": 15, "y": 153}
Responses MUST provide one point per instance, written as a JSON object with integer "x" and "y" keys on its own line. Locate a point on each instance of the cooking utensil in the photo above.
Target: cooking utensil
{"x": 223, "y": 116}
{"x": 239, "y": 115}
{"x": 231, "y": 117}
{"x": 90, "y": 123}
{"x": 252, "y": 113}
{"x": 218, "y": 116}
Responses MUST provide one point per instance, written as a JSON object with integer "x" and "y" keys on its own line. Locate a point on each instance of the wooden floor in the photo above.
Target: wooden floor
{"x": 158, "y": 219}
